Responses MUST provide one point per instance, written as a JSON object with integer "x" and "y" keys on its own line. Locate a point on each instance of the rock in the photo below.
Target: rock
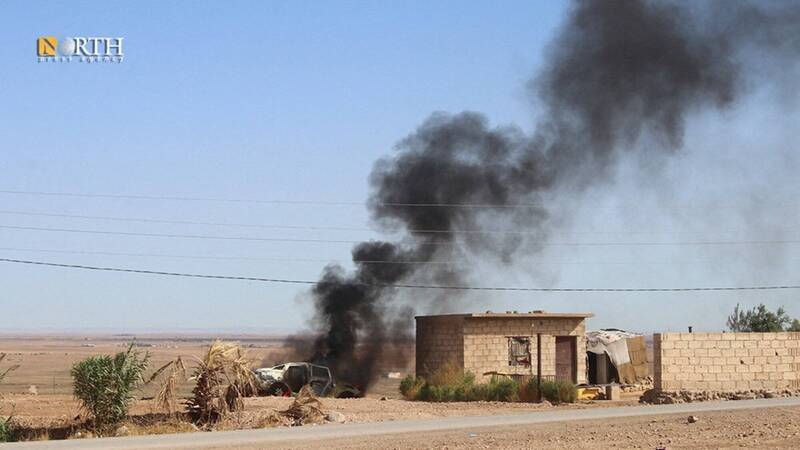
{"x": 122, "y": 430}
{"x": 693, "y": 419}
{"x": 335, "y": 417}
{"x": 384, "y": 398}
{"x": 33, "y": 390}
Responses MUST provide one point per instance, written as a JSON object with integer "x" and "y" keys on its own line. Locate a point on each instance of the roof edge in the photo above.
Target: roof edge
{"x": 513, "y": 315}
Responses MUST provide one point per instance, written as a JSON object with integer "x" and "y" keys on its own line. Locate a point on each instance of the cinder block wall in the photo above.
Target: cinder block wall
{"x": 726, "y": 362}
{"x": 440, "y": 339}
{"x": 486, "y": 344}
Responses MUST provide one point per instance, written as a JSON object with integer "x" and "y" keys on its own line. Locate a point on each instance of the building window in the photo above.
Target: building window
{"x": 519, "y": 351}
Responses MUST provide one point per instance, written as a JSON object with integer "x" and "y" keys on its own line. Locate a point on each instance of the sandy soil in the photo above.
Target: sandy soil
{"x": 45, "y": 361}
{"x": 777, "y": 428}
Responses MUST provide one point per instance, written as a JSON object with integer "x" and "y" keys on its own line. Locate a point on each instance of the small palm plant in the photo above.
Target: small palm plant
{"x": 167, "y": 396}
{"x": 105, "y": 385}
{"x": 223, "y": 377}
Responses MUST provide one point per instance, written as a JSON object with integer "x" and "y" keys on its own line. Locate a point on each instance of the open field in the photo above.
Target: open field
{"x": 45, "y": 361}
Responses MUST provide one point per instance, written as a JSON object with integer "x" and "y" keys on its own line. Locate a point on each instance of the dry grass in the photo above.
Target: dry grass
{"x": 9, "y": 369}
{"x": 167, "y": 396}
{"x": 448, "y": 374}
{"x": 223, "y": 377}
{"x": 306, "y": 408}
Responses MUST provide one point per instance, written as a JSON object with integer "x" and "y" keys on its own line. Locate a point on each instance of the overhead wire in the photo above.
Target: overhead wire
{"x": 396, "y": 285}
{"x": 336, "y": 228}
{"x": 426, "y": 243}
{"x": 546, "y": 262}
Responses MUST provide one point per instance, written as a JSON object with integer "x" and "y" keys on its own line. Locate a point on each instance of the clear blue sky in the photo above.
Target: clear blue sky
{"x": 296, "y": 100}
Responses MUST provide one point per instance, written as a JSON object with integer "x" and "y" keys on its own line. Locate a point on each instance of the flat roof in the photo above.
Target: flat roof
{"x": 517, "y": 315}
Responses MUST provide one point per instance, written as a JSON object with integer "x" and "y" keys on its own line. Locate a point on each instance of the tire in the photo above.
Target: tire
{"x": 346, "y": 394}
{"x": 279, "y": 390}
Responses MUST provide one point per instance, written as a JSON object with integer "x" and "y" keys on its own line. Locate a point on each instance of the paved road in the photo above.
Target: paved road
{"x": 263, "y": 437}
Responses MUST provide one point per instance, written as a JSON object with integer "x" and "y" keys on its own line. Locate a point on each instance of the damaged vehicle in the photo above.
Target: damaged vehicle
{"x": 288, "y": 378}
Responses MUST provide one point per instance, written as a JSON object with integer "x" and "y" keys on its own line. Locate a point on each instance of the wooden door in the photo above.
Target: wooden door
{"x": 566, "y": 361}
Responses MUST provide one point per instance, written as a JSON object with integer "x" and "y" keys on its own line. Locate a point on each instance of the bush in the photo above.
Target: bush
{"x": 451, "y": 384}
{"x": 558, "y": 391}
{"x": 5, "y": 430}
{"x": 447, "y": 384}
{"x": 502, "y": 389}
{"x": 410, "y": 386}
{"x": 105, "y": 385}
{"x": 528, "y": 392}
{"x": 222, "y": 379}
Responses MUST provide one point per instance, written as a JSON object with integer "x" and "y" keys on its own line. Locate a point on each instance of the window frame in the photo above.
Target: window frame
{"x": 517, "y": 358}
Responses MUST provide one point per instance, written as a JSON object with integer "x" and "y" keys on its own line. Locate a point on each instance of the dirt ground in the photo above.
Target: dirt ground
{"x": 45, "y": 361}
{"x": 44, "y": 364}
{"x": 774, "y": 428}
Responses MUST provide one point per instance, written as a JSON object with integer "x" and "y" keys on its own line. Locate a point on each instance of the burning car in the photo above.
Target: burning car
{"x": 288, "y": 378}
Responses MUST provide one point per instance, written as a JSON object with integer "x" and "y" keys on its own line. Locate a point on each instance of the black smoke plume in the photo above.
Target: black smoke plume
{"x": 618, "y": 74}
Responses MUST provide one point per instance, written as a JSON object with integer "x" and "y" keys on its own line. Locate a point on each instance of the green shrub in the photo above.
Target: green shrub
{"x": 5, "y": 430}
{"x": 554, "y": 391}
{"x": 559, "y": 391}
{"x": 529, "y": 392}
{"x": 502, "y": 389}
{"x": 410, "y": 385}
{"x": 451, "y": 384}
{"x": 447, "y": 384}
{"x": 105, "y": 385}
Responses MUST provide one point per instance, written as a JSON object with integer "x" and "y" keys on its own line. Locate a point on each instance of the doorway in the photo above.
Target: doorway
{"x": 566, "y": 360}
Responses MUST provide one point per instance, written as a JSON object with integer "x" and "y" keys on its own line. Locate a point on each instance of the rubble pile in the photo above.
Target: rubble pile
{"x": 656, "y": 397}
{"x": 642, "y": 384}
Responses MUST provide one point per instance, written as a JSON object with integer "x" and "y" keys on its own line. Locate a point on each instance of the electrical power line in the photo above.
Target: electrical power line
{"x": 406, "y": 286}
{"x": 267, "y": 201}
{"x": 333, "y": 228}
{"x": 174, "y": 235}
{"x": 250, "y": 225}
{"x": 219, "y": 257}
{"x": 440, "y": 243}
{"x": 298, "y": 202}
{"x": 547, "y": 262}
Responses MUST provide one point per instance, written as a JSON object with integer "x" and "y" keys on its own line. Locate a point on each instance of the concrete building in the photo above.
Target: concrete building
{"x": 504, "y": 343}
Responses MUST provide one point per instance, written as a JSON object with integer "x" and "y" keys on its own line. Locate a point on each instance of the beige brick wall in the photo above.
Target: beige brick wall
{"x": 486, "y": 344}
{"x": 726, "y": 361}
{"x": 440, "y": 339}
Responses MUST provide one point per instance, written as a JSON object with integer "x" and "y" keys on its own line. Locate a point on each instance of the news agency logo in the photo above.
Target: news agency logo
{"x": 80, "y": 49}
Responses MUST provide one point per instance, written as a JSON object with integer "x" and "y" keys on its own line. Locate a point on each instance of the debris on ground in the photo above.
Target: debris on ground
{"x": 656, "y": 397}
{"x": 305, "y": 409}
{"x": 692, "y": 419}
{"x": 335, "y": 417}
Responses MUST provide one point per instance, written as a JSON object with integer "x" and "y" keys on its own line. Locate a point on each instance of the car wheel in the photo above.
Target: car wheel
{"x": 279, "y": 390}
